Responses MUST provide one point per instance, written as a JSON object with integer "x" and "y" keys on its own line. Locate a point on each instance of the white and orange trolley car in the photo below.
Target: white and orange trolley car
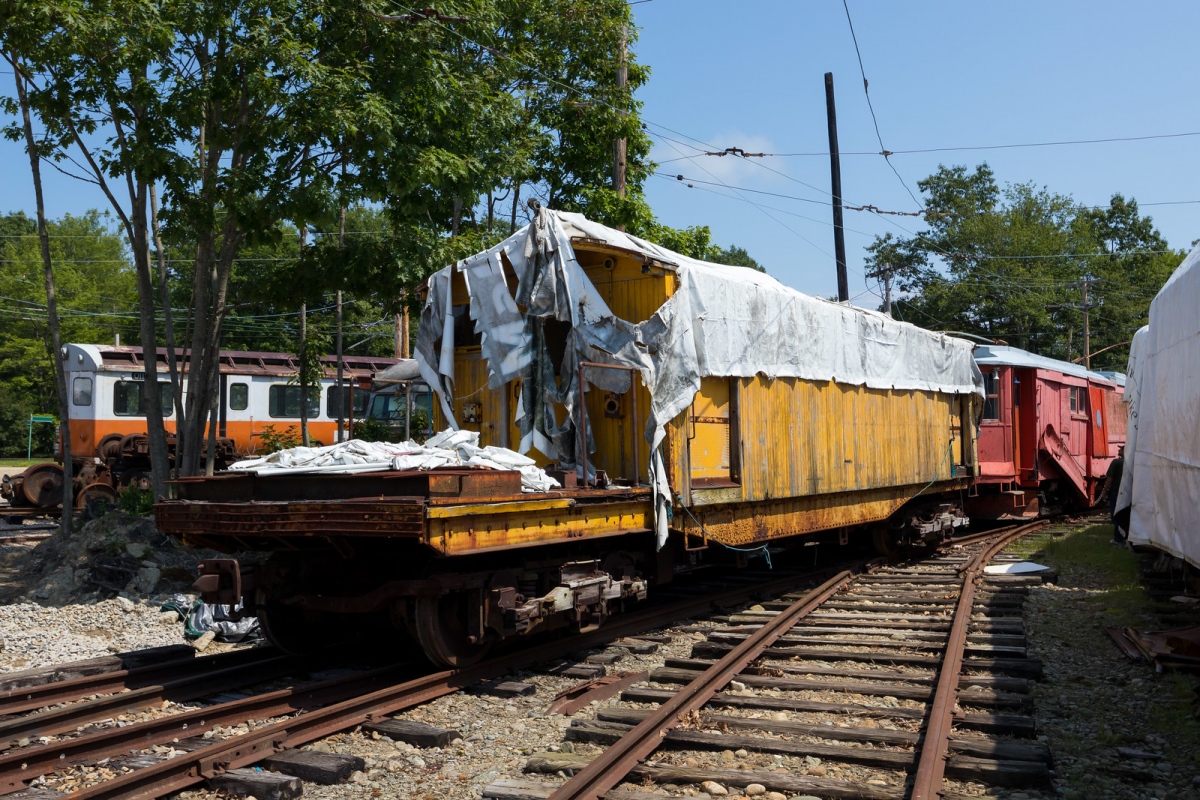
{"x": 107, "y": 425}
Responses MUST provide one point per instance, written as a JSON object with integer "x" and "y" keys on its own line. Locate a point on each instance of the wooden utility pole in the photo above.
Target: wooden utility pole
{"x": 835, "y": 174}
{"x": 1085, "y": 307}
{"x": 405, "y": 324}
{"x": 303, "y": 375}
{"x": 885, "y": 274}
{"x": 620, "y": 145}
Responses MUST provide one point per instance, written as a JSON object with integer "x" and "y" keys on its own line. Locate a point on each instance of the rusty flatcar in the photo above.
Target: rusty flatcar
{"x": 1048, "y": 433}
{"x": 690, "y": 412}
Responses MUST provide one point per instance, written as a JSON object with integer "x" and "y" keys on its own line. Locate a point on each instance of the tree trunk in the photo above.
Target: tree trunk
{"x": 60, "y": 377}
{"x": 303, "y": 374}
{"x": 164, "y": 295}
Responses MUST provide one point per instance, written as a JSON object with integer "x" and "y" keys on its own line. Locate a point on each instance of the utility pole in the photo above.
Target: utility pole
{"x": 339, "y": 393}
{"x": 1085, "y": 307}
{"x": 835, "y": 174}
{"x": 885, "y": 274}
{"x": 620, "y": 145}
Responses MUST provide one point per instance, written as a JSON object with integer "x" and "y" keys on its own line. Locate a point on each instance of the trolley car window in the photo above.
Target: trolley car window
{"x": 81, "y": 391}
{"x": 283, "y": 400}
{"x": 239, "y": 396}
{"x": 1076, "y": 403}
{"x": 332, "y": 404}
{"x": 991, "y": 388}
{"x": 129, "y": 399}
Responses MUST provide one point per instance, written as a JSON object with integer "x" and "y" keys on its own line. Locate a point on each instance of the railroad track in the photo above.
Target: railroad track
{"x": 922, "y": 666}
{"x": 70, "y": 720}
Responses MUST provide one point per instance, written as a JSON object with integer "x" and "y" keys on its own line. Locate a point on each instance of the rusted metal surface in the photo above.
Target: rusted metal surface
{"x": 393, "y": 517}
{"x": 931, "y": 768}
{"x": 749, "y": 522}
{"x": 615, "y": 763}
{"x": 571, "y": 699}
{"x": 174, "y": 774}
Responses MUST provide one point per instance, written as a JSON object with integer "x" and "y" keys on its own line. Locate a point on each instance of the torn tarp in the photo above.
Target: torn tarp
{"x": 720, "y": 321}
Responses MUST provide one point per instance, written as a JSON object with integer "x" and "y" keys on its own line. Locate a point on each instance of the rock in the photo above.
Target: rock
{"x": 755, "y": 789}
{"x": 146, "y": 579}
{"x": 691, "y": 762}
{"x": 817, "y": 772}
{"x": 757, "y": 607}
{"x": 202, "y": 643}
{"x": 136, "y": 549}
{"x": 776, "y": 796}
{"x": 714, "y": 789}
{"x": 168, "y": 618}
{"x": 803, "y": 797}
{"x": 737, "y": 686}
{"x": 742, "y": 753}
{"x": 727, "y": 755}
{"x": 812, "y": 761}
{"x": 780, "y": 716}
{"x": 125, "y": 603}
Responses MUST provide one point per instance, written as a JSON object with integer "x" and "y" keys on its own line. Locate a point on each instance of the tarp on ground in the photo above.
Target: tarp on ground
{"x": 1161, "y": 482}
{"x": 721, "y": 321}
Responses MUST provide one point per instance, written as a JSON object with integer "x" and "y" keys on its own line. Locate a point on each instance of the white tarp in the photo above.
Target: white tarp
{"x": 449, "y": 448}
{"x": 721, "y": 321}
{"x": 1131, "y": 398}
{"x": 1164, "y": 471}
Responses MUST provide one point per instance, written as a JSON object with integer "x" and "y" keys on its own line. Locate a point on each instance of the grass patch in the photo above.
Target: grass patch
{"x": 17, "y": 462}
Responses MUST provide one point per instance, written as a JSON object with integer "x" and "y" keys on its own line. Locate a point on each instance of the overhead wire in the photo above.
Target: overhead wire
{"x": 883, "y": 151}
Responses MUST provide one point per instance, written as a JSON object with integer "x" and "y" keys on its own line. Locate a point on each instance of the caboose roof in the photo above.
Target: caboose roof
{"x": 993, "y": 355}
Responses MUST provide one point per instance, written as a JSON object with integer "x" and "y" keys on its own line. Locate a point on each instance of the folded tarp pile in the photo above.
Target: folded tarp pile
{"x": 449, "y": 448}
{"x": 721, "y": 321}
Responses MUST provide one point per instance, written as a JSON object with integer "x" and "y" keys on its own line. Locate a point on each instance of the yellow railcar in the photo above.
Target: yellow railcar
{"x": 690, "y": 413}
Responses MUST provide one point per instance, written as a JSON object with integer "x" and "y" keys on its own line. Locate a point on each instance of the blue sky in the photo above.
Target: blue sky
{"x": 942, "y": 74}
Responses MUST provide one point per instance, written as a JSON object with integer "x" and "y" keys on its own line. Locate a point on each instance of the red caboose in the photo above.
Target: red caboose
{"x": 1049, "y": 431}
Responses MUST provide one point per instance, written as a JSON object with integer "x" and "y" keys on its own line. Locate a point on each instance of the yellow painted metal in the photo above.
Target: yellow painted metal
{"x": 496, "y": 529}
{"x": 710, "y": 419}
{"x": 747, "y": 523}
{"x": 471, "y": 509}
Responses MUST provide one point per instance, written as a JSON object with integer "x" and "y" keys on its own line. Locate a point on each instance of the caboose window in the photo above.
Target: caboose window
{"x": 1075, "y": 404}
{"x": 283, "y": 400}
{"x": 239, "y": 396}
{"x": 81, "y": 392}
{"x": 991, "y": 390}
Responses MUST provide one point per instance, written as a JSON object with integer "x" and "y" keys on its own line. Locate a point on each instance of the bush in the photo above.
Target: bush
{"x": 137, "y": 501}
{"x": 272, "y": 441}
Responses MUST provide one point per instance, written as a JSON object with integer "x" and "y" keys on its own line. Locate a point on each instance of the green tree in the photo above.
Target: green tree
{"x": 735, "y": 256}
{"x": 1006, "y": 263}
{"x": 96, "y": 293}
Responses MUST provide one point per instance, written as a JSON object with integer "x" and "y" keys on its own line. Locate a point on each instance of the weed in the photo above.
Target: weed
{"x": 272, "y": 440}
{"x": 136, "y": 501}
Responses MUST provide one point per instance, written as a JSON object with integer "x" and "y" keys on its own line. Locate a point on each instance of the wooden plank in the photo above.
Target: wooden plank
{"x": 722, "y": 699}
{"x": 581, "y": 671}
{"x": 517, "y": 789}
{"x": 773, "y": 781}
{"x": 604, "y": 659}
{"x": 976, "y": 747}
{"x": 1000, "y": 682}
{"x": 310, "y": 765}
{"x": 1015, "y": 774}
{"x": 257, "y": 783}
{"x": 418, "y": 734}
{"x": 1030, "y": 667}
{"x": 606, "y": 733}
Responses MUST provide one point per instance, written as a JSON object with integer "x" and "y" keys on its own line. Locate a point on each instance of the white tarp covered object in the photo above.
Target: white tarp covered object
{"x": 449, "y": 448}
{"x": 721, "y": 321}
{"x": 1161, "y": 480}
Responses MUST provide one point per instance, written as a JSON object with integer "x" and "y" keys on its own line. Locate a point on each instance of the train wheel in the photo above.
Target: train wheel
{"x": 96, "y": 497}
{"x": 287, "y": 629}
{"x": 441, "y": 630}
{"x": 43, "y": 485}
{"x": 887, "y": 542}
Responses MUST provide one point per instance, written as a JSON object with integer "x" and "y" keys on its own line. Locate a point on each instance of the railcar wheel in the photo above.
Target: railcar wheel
{"x": 43, "y": 485}
{"x": 886, "y": 541}
{"x": 440, "y": 626}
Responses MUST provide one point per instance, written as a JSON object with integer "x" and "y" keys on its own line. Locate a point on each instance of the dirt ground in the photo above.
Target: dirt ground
{"x": 1094, "y": 699}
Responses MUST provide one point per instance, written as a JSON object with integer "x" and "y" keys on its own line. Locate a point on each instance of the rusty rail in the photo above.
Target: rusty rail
{"x": 931, "y": 768}
{"x": 611, "y": 767}
{"x": 326, "y": 707}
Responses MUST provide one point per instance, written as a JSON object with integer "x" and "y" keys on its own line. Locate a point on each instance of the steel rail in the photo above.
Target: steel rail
{"x": 175, "y": 774}
{"x": 28, "y": 698}
{"x": 935, "y": 749}
{"x": 612, "y": 766}
{"x": 69, "y": 717}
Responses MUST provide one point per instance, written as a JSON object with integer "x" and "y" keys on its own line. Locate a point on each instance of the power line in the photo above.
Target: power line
{"x": 862, "y": 71}
{"x": 1063, "y": 143}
